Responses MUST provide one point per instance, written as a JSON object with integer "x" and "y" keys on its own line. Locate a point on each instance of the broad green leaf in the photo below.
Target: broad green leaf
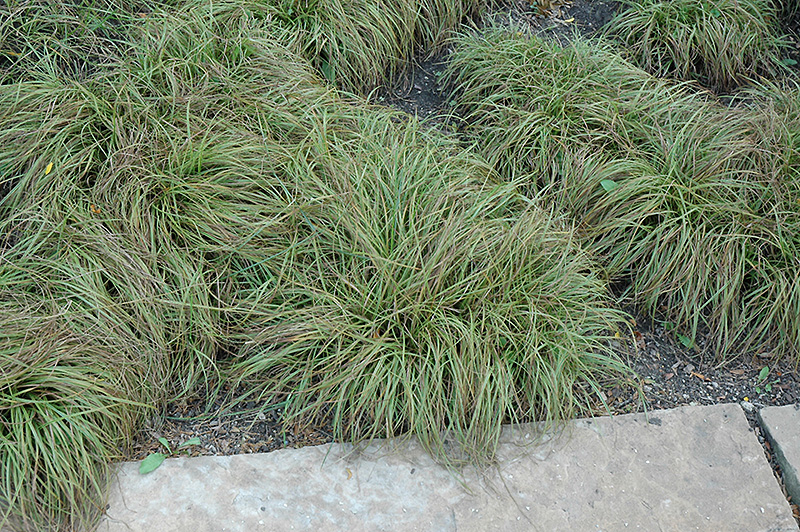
{"x": 187, "y": 443}
{"x": 165, "y": 443}
{"x": 327, "y": 70}
{"x": 151, "y": 463}
{"x": 768, "y": 387}
{"x": 762, "y": 375}
{"x": 608, "y": 185}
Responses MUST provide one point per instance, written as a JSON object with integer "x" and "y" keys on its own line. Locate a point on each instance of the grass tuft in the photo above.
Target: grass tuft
{"x": 691, "y": 202}
{"x": 721, "y": 43}
{"x": 417, "y": 297}
{"x": 360, "y": 45}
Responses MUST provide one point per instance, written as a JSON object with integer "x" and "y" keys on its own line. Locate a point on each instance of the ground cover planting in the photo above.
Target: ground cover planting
{"x": 191, "y": 200}
{"x": 719, "y": 43}
{"x": 360, "y": 45}
{"x": 694, "y": 201}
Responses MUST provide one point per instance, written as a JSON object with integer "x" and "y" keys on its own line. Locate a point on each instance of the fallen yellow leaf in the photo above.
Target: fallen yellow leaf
{"x": 48, "y": 169}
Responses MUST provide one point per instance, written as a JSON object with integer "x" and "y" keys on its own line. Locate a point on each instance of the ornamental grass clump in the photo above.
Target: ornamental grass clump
{"x": 74, "y": 37}
{"x": 721, "y": 43}
{"x": 531, "y": 96}
{"x": 418, "y": 297}
{"x": 358, "y": 45}
{"x": 687, "y": 200}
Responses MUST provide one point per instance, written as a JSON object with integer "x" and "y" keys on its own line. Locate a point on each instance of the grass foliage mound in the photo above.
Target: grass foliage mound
{"x": 694, "y": 203}
{"x": 416, "y": 296}
{"x": 721, "y": 43}
{"x": 72, "y": 37}
{"x": 202, "y": 209}
{"x": 356, "y": 44}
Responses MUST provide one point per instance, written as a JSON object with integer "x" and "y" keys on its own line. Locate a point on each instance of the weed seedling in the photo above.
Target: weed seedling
{"x": 763, "y": 380}
{"x": 154, "y": 460}
{"x": 687, "y": 342}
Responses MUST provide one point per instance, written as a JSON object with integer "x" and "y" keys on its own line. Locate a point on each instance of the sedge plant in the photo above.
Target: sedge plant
{"x": 721, "y": 43}
{"x": 417, "y": 296}
{"x": 688, "y": 201}
{"x": 358, "y": 45}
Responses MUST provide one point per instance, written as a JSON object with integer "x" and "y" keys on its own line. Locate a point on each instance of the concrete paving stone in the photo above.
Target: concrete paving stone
{"x": 692, "y": 468}
{"x": 781, "y": 425}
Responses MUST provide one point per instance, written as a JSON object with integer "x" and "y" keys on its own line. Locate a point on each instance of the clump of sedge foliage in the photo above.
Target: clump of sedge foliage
{"x": 204, "y": 208}
{"x": 418, "y": 297}
{"x": 693, "y": 203}
{"x": 721, "y": 43}
{"x": 357, "y": 44}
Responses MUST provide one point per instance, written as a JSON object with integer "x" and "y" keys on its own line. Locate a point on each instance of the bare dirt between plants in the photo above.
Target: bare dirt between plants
{"x": 668, "y": 373}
